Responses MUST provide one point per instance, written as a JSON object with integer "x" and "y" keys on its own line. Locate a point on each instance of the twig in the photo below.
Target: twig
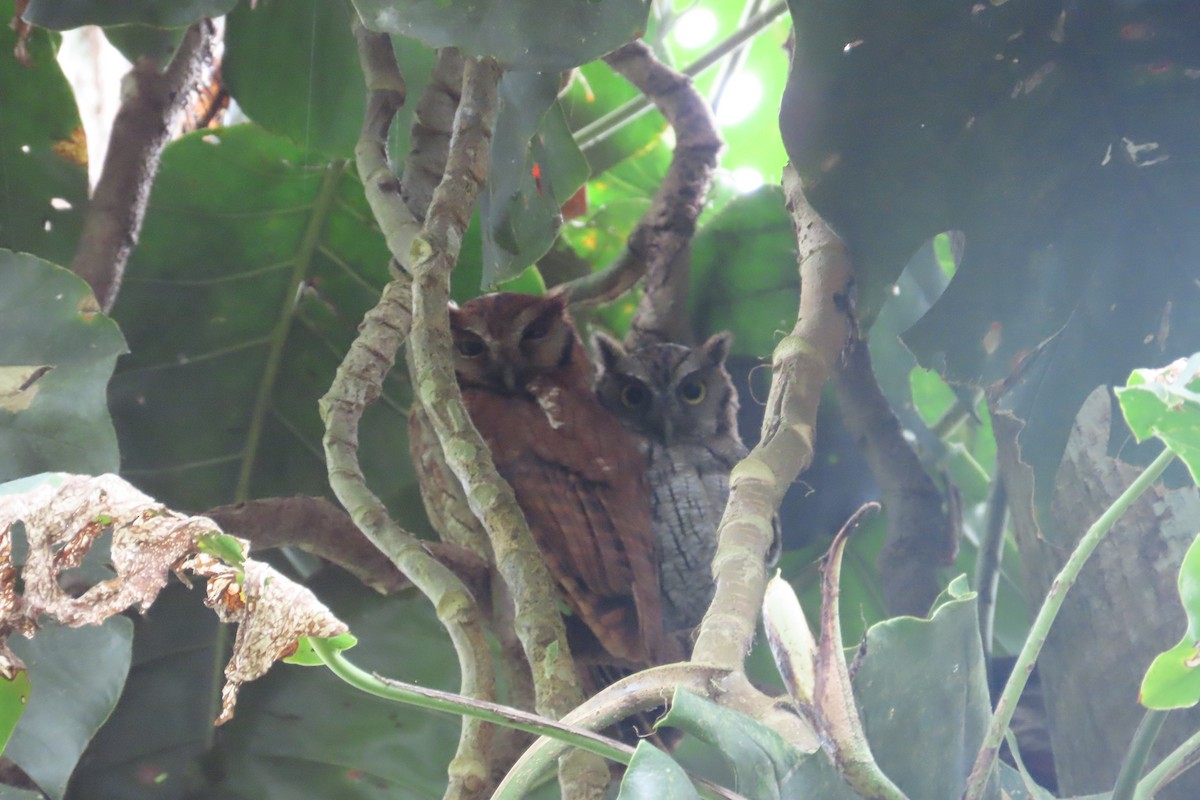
{"x": 921, "y": 536}
{"x": 802, "y": 363}
{"x": 985, "y": 762}
{"x": 667, "y": 226}
{"x": 429, "y": 138}
{"x": 150, "y": 115}
{"x": 539, "y": 624}
{"x": 734, "y": 63}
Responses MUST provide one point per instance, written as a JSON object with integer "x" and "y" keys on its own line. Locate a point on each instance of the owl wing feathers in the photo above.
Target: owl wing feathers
{"x": 581, "y": 482}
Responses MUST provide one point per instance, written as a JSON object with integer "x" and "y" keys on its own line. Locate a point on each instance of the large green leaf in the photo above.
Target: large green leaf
{"x": 762, "y": 761}
{"x": 253, "y": 271}
{"x": 61, "y": 15}
{"x": 526, "y": 34}
{"x": 76, "y": 676}
{"x": 293, "y": 68}
{"x": 653, "y": 775}
{"x": 152, "y": 746}
{"x": 535, "y": 167}
{"x": 744, "y": 276}
{"x": 922, "y": 695}
{"x": 43, "y": 156}
{"x": 56, "y": 355}
{"x": 1063, "y": 147}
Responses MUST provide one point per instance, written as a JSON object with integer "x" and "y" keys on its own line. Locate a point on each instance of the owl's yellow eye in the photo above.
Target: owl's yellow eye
{"x": 470, "y": 347}
{"x": 692, "y": 392}
{"x": 634, "y": 395}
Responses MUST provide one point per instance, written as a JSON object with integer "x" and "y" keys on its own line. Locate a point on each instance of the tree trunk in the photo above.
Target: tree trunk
{"x": 1124, "y": 610}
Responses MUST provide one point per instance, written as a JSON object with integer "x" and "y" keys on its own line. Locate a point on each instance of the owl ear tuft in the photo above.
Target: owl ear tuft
{"x": 558, "y": 296}
{"x": 608, "y": 348}
{"x": 456, "y": 315}
{"x": 717, "y": 347}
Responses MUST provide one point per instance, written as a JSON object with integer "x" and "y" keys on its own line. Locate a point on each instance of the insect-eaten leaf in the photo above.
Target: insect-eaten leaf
{"x": 64, "y": 515}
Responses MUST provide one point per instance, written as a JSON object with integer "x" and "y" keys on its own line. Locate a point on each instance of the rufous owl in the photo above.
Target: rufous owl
{"x": 577, "y": 473}
{"x": 682, "y": 405}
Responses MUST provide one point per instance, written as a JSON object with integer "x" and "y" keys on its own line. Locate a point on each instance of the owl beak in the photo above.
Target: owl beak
{"x": 510, "y": 376}
{"x": 667, "y": 431}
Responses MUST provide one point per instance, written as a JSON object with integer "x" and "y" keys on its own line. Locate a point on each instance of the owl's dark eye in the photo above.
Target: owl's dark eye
{"x": 692, "y": 392}
{"x": 470, "y": 346}
{"x": 634, "y": 395}
{"x": 537, "y": 329}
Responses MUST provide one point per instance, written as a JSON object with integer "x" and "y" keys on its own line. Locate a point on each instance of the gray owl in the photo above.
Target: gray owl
{"x": 681, "y": 404}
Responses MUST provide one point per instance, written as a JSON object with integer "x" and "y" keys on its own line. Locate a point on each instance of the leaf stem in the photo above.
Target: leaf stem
{"x": 985, "y": 763}
{"x": 1139, "y": 750}
{"x": 1171, "y": 767}
{"x": 461, "y": 705}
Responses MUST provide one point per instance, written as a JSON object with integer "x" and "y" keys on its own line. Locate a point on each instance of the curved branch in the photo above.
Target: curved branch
{"x": 668, "y": 225}
{"x": 802, "y": 363}
{"x": 922, "y": 533}
{"x": 359, "y": 382}
{"x": 150, "y": 115}
{"x": 539, "y": 625}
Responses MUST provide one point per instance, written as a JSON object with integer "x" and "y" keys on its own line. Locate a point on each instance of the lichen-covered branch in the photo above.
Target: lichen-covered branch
{"x": 921, "y": 532}
{"x": 151, "y": 112}
{"x": 539, "y": 625}
{"x": 429, "y": 137}
{"x": 359, "y": 382}
{"x": 803, "y": 361}
{"x": 667, "y": 227}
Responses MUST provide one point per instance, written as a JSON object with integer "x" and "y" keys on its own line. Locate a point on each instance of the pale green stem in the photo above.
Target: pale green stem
{"x": 460, "y": 705}
{"x": 1139, "y": 751}
{"x": 985, "y": 763}
{"x": 1171, "y": 767}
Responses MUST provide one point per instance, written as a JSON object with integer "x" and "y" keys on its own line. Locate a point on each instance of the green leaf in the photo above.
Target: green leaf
{"x": 61, "y": 15}
{"x": 1066, "y": 156}
{"x": 76, "y": 676}
{"x": 727, "y": 293}
{"x": 654, "y": 775}
{"x": 14, "y": 696}
{"x": 56, "y": 355}
{"x": 305, "y": 656}
{"x": 252, "y": 274}
{"x": 145, "y": 41}
{"x": 535, "y": 167}
{"x": 1173, "y": 678}
{"x": 224, "y": 547}
{"x": 762, "y": 761}
{"x": 293, "y": 68}
{"x": 910, "y": 667}
{"x": 43, "y": 156}
{"x": 523, "y": 34}
{"x": 1166, "y": 403}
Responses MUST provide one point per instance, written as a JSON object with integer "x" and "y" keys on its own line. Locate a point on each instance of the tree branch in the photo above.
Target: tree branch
{"x": 317, "y": 526}
{"x": 802, "y": 363}
{"x": 668, "y": 225}
{"x": 151, "y": 112}
{"x": 921, "y": 534}
{"x": 359, "y": 382}
{"x": 539, "y": 625}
